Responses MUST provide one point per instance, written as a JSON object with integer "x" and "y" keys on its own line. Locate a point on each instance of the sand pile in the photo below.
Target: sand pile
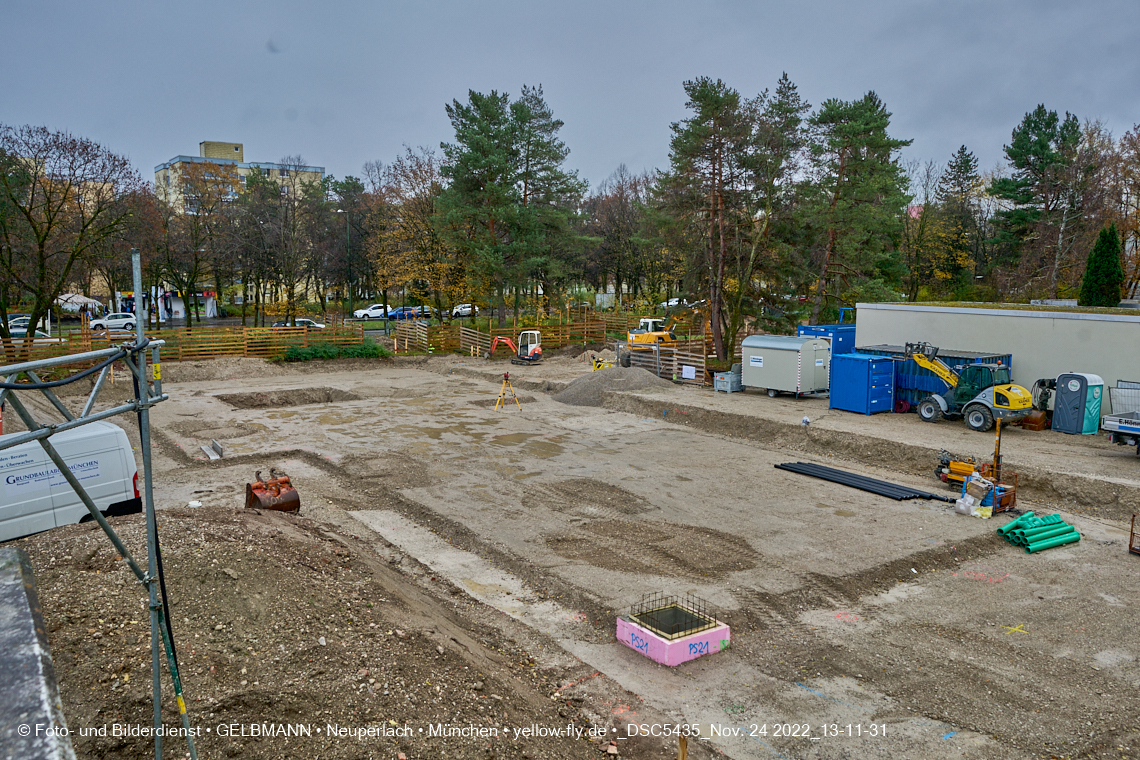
{"x": 590, "y": 389}
{"x": 221, "y": 368}
{"x": 605, "y": 353}
{"x": 576, "y": 349}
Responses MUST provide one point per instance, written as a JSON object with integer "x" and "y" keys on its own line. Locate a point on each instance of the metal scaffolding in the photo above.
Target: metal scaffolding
{"x": 147, "y": 393}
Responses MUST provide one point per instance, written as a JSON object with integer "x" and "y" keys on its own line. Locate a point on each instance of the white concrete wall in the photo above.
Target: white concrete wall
{"x": 1043, "y": 343}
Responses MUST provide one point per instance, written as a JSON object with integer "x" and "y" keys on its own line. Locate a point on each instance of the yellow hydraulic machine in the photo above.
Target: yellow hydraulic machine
{"x": 978, "y": 393}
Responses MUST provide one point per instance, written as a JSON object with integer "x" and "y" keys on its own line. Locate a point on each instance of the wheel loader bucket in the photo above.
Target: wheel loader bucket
{"x": 277, "y": 493}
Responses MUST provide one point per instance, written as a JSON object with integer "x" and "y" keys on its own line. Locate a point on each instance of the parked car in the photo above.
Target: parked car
{"x": 21, "y": 322}
{"x": 301, "y": 322}
{"x": 119, "y": 320}
{"x": 465, "y": 310}
{"x": 672, "y": 302}
{"x": 375, "y": 311}
{"x": 404, "y": 312}
{"x": 425, "y": 312}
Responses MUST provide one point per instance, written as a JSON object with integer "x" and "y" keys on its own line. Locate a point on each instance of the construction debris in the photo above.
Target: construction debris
{"x": 277, "y": 493}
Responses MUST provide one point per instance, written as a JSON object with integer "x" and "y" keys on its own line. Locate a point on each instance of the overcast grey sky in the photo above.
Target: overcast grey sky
{"x": 342, "y": 83}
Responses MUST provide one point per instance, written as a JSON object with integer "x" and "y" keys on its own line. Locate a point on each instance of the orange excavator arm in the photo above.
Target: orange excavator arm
{"x": 505, "y": 341}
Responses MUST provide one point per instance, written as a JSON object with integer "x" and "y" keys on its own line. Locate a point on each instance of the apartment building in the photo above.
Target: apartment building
{"x": 167, "y": 176}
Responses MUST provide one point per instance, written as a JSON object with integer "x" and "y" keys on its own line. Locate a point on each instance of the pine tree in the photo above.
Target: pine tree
{"x": 858, "y": 201}
{"x": 1104, "y": 274}
{"x": 1040, "y": 228}
{"x": 704, "y": 182}
{"x": 960, "y": 211}
{"x": 960, "y": 182}
{"x": 508, "y": 200}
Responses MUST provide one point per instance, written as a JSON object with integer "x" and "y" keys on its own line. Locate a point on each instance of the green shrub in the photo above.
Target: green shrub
{"x": 369, "y": 349}
{"x": 1104, "y": 274}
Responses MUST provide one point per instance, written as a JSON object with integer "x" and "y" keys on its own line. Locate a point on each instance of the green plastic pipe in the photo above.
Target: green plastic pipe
{"x": 1020, "y": 538}
{"x": 1041, "y": 522}
{"x": 1038, "y": 529}
{"x": 1068, "y": 538}
{"x": 1003, "y": 530}
{"x": 1047, "y": 532}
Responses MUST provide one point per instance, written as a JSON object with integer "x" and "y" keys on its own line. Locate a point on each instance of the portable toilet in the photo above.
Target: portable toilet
{"x": 782, "y": 363}
{"x": 1077, "y": 408}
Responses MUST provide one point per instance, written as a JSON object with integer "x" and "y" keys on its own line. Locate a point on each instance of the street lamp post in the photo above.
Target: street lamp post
{"x": 348, "y": 249}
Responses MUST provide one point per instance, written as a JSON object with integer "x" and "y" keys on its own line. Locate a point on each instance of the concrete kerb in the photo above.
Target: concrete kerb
{"x": 32, "y": 724}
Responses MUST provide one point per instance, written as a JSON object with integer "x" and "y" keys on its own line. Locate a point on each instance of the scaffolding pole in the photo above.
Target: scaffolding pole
{"x": 146, "y": 395}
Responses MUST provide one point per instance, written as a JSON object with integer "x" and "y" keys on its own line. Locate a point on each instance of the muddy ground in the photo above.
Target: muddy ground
{"x": 462, "y": 566}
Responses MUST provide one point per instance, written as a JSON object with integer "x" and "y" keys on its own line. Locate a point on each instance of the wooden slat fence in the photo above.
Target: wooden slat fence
{"x": 444, "y": 339}
{"x": 411, "y": 335}
{"x": 473, "y": 339}
{"x": 669, "y": 362}
{"x": 201, "y": 343}
{"x": 616, "y": 324}
{"x": 417, "y": 336}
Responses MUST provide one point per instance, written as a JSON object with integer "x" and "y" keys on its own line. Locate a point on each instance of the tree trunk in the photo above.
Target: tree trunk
{"x": 821, "y": 286}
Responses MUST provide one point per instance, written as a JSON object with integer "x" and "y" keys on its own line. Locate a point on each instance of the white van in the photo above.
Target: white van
{"x": 34, "y": 496}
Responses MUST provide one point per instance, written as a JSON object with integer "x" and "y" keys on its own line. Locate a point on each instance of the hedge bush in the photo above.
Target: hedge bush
{"x": 369, "y": 349}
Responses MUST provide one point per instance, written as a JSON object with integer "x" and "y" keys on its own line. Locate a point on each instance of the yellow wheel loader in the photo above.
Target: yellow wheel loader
{"x": 652, "y": 330}
{"x": 978, "y": 393}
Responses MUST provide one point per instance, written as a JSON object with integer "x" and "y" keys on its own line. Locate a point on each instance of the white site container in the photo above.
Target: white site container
{"x": 780, "y": 363}
{"x": 34, "y": 496}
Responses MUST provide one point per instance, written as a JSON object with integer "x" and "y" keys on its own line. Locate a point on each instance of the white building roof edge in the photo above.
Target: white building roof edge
{"x": 999, "y": 312}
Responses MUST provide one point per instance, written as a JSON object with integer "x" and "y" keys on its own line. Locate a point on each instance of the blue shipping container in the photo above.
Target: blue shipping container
{"x": 842, "y": 336}
{"x": 863, "y": 383}
{"x": 914, "y": 383}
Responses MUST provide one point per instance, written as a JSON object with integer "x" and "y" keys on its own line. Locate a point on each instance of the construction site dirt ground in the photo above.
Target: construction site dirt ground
{"x": 460, "y": 565}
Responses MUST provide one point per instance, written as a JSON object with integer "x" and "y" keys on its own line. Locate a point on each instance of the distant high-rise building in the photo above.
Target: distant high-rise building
{"x": 167, "y": 176}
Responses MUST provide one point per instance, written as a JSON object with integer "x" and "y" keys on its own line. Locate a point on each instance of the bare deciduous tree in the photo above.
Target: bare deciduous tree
{"x": 59, "y": 198}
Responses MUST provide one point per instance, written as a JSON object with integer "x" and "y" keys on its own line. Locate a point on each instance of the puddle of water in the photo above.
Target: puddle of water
{"x": 462, "y": 429}
{"x": 536, "y": 448}
{"x": 683, "y": 479}
{"x": 525, "y": 475}
{"x": 485, "y": 588}
{"x": 844, "y": 513}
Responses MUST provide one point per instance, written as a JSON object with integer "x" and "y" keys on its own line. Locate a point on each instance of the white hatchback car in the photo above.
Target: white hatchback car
{"x": 375, "y": 311}
{"x": 117, "y": 321}
{"x": 465, "y": 310}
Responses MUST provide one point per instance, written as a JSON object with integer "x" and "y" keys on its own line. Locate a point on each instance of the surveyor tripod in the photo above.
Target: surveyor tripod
{"x": 503, "y": 400}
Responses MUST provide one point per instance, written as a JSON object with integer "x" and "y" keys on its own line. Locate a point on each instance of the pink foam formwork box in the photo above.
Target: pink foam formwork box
{"x": 673, "y": 652}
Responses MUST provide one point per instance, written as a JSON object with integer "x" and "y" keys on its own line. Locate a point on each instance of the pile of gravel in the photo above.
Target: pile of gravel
{"x": 590, "y": 389}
